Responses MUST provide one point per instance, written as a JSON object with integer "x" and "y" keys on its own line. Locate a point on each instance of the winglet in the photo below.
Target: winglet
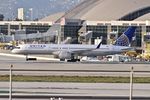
{"x": 99, "y": 45}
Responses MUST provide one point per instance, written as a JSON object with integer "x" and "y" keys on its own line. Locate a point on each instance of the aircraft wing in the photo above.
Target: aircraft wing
{"x": 86, "y": 50}
{"x": 81, "y": 51}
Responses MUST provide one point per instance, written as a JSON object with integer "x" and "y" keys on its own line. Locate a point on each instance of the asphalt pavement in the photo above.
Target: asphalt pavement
{"x": 84, "y": 91}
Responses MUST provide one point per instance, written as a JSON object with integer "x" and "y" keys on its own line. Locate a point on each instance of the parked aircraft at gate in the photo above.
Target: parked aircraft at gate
{"x": 72, "y": 51}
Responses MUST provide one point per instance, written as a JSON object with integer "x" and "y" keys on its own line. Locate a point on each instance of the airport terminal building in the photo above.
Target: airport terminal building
{"x": 101, "y": 17}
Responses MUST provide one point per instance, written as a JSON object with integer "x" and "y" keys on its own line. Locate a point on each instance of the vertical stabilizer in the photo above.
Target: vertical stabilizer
{"x": 126, "y": 38}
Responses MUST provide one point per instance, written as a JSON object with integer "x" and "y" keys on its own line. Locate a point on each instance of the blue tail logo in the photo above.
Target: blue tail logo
{"x": 126, "y": 38}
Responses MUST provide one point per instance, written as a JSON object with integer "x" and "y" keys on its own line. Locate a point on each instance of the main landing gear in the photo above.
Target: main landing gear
{"x": 27, "y": 58}
{"x": 71, "y": 60}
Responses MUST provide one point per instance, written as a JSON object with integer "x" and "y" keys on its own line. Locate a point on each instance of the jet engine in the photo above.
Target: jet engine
{"x": 65, "y": 55}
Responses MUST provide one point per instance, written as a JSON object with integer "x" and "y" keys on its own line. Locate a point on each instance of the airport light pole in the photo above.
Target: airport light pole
{"x": 10, "y": 82}
{"x": 131, "y": 84}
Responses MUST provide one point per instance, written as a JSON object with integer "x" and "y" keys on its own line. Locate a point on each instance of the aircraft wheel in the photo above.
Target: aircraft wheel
{"x": 73, "y": 60}
{"x": 62, "y": 59}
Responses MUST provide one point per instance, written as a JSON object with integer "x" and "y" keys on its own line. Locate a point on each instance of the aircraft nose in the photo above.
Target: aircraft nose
{"x": 14, "y": 51}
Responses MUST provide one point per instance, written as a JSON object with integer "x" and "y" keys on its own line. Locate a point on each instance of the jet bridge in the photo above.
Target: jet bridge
{"x": 53, "y": 32}
{"x": 86, "y": 37}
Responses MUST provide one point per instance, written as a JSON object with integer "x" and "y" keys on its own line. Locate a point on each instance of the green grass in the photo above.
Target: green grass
{"x": 82, "y": 79}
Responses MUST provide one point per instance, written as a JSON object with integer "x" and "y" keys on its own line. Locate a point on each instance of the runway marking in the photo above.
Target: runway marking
{"x": 23, "y": 56}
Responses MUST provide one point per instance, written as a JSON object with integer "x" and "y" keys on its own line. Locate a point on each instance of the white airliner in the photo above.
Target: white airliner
{"x": 73, "y": 51}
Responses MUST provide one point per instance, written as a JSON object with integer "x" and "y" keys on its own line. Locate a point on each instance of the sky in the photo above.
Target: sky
{"x": 40, "y": 8}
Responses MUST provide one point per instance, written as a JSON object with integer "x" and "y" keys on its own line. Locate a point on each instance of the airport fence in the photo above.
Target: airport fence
{"x": 27, "y": 94}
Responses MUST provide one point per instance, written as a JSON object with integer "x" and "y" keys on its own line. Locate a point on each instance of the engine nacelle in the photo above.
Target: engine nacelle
{"x": 65, "y": 55}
